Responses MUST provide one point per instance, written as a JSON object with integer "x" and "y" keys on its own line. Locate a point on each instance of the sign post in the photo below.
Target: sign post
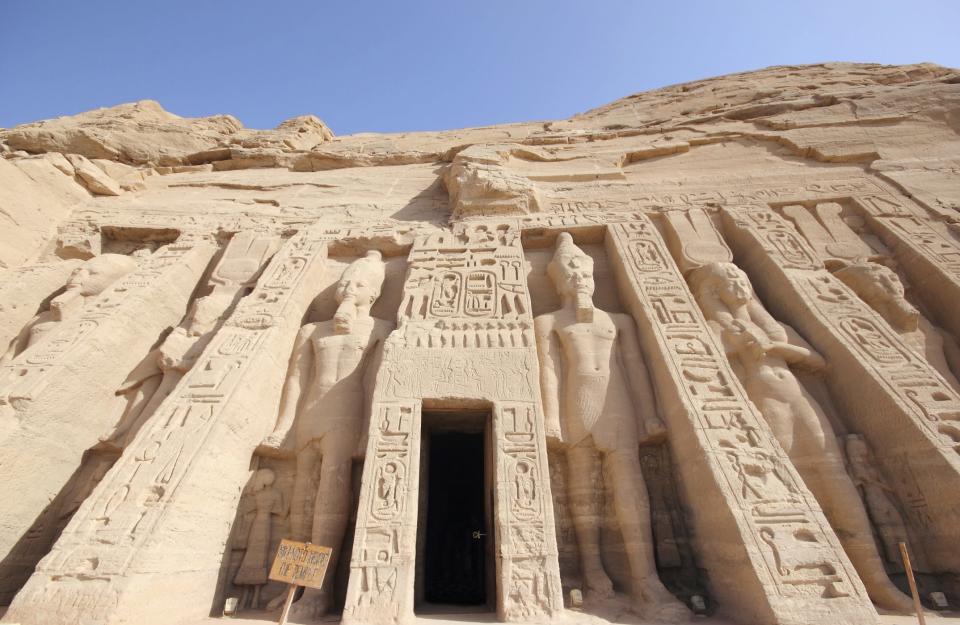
{"x": 299, "y": 564}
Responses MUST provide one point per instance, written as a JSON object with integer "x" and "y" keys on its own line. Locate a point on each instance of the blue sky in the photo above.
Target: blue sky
{"x": 401, "y": 65}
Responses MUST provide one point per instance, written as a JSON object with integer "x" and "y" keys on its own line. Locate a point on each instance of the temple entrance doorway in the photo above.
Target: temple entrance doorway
{"x": 455, "y": 567}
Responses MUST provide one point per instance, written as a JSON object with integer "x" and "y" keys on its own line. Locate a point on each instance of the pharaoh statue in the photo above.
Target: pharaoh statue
{"x": 595, "y": 391}
{"x": 325, "y": 406}
{"x": 877, "y": 495}
{"x": 86, "y": 282}
{"x": 882, "y": 290}
{"x": 761, "y": 351}
{"x": 263, "y": 502}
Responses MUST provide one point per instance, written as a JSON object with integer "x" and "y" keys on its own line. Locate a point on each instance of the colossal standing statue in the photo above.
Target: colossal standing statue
{"x": 881, "y": 289}
{"x": 87, "y": 281}
{"x": 595, "y": 389}
{"x": 761, "y": 351}
{"x": 326, "y": 405}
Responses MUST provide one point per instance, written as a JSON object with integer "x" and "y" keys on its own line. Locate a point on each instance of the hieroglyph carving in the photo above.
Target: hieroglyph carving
{"x": 384, "y": 546}
{"x": 194, "y": 444}
{"x": 595, "y": 395}
{"x": 527, "y": 554}
{"x": 724, "y": 448}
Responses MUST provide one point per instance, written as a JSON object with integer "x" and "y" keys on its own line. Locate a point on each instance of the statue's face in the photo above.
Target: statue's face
{"x": 95, "y": 275}
{"x": 359, "y": 287}
{"x": 890, "y": 283}
{"x": 857, "y": 452}
{"x": 735, "y": 286}
{"x": 577, "y": 275}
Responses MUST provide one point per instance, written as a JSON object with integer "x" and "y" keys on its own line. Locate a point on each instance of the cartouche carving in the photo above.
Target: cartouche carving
{"x": 325, "y": 403}
{"x": 762, "y": 351}
{"x": 595, "y": 390}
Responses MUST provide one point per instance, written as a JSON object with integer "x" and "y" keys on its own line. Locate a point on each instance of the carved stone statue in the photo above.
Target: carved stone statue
{"x": 881, "y": 289}
{"x": 325, "y": 404}
{"x": 87, "y": 281}
{"x": 159, "y": 372}
{"x": 877, "y": 495}
{"x": 762, "y": 350}
{"x": 595, "y": 391}
{"x": 263, "y": 502}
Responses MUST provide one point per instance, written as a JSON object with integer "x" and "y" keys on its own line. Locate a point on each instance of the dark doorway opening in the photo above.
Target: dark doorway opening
{"x": 456, "y": 555}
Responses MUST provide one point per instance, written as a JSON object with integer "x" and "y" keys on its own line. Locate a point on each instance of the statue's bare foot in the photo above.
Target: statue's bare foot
{"x": 311, "y": 607}
{"x": 654, "y": 601}
{"x": 889, "y": 597}
{"x": 598, "y": 585}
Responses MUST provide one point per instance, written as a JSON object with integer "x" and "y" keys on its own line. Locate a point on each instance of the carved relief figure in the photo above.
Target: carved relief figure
{"x": 595, "y": 390}
{"x": 158, "y": 373}
{"x": 86, "y": 282}
{"x": 325, "y": 406}
{"x": 761, "y": 351}
{"x": 264, "y": 502}
{"x": 877, "y": 495}
{"x": 880, "y": 287}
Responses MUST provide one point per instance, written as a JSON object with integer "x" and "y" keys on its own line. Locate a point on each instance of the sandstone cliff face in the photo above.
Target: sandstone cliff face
{"x": 705, "y": 335}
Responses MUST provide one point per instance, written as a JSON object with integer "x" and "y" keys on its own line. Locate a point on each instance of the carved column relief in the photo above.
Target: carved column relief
{"x": 465, "y": 333}
{"x": 529, "y": 575}
{"x": 57, "y": 396}
{"x": 184, "y": 469}
{"x": 149, "y": 383}
{"x": 928, "y": 256}
{"x": 770, "y": 554}
{"x": 904, "y": 408}
{"x": 384, "y": 544}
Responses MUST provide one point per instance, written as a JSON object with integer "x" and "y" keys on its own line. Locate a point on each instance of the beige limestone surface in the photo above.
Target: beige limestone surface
{"x": 691, "y": 356}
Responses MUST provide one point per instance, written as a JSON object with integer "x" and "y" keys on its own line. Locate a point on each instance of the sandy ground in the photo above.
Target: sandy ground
{"x": 613, "y": 612}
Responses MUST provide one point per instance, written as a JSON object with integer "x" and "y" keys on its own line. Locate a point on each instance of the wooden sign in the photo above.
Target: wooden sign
{"x": 300, "y": 564}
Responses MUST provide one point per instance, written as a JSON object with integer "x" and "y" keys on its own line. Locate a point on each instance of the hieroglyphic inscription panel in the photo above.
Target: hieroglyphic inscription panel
{"x": 526, "y": 547}
{"x": 384, "y": 546}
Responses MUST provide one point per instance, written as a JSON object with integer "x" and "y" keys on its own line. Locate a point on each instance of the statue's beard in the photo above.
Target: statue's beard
{"x": 584, "y": 303}
{"x": 346, "y": 315}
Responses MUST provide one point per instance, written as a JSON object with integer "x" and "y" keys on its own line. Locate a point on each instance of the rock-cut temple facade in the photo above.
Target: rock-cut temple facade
{"x": 691, "y": 353}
